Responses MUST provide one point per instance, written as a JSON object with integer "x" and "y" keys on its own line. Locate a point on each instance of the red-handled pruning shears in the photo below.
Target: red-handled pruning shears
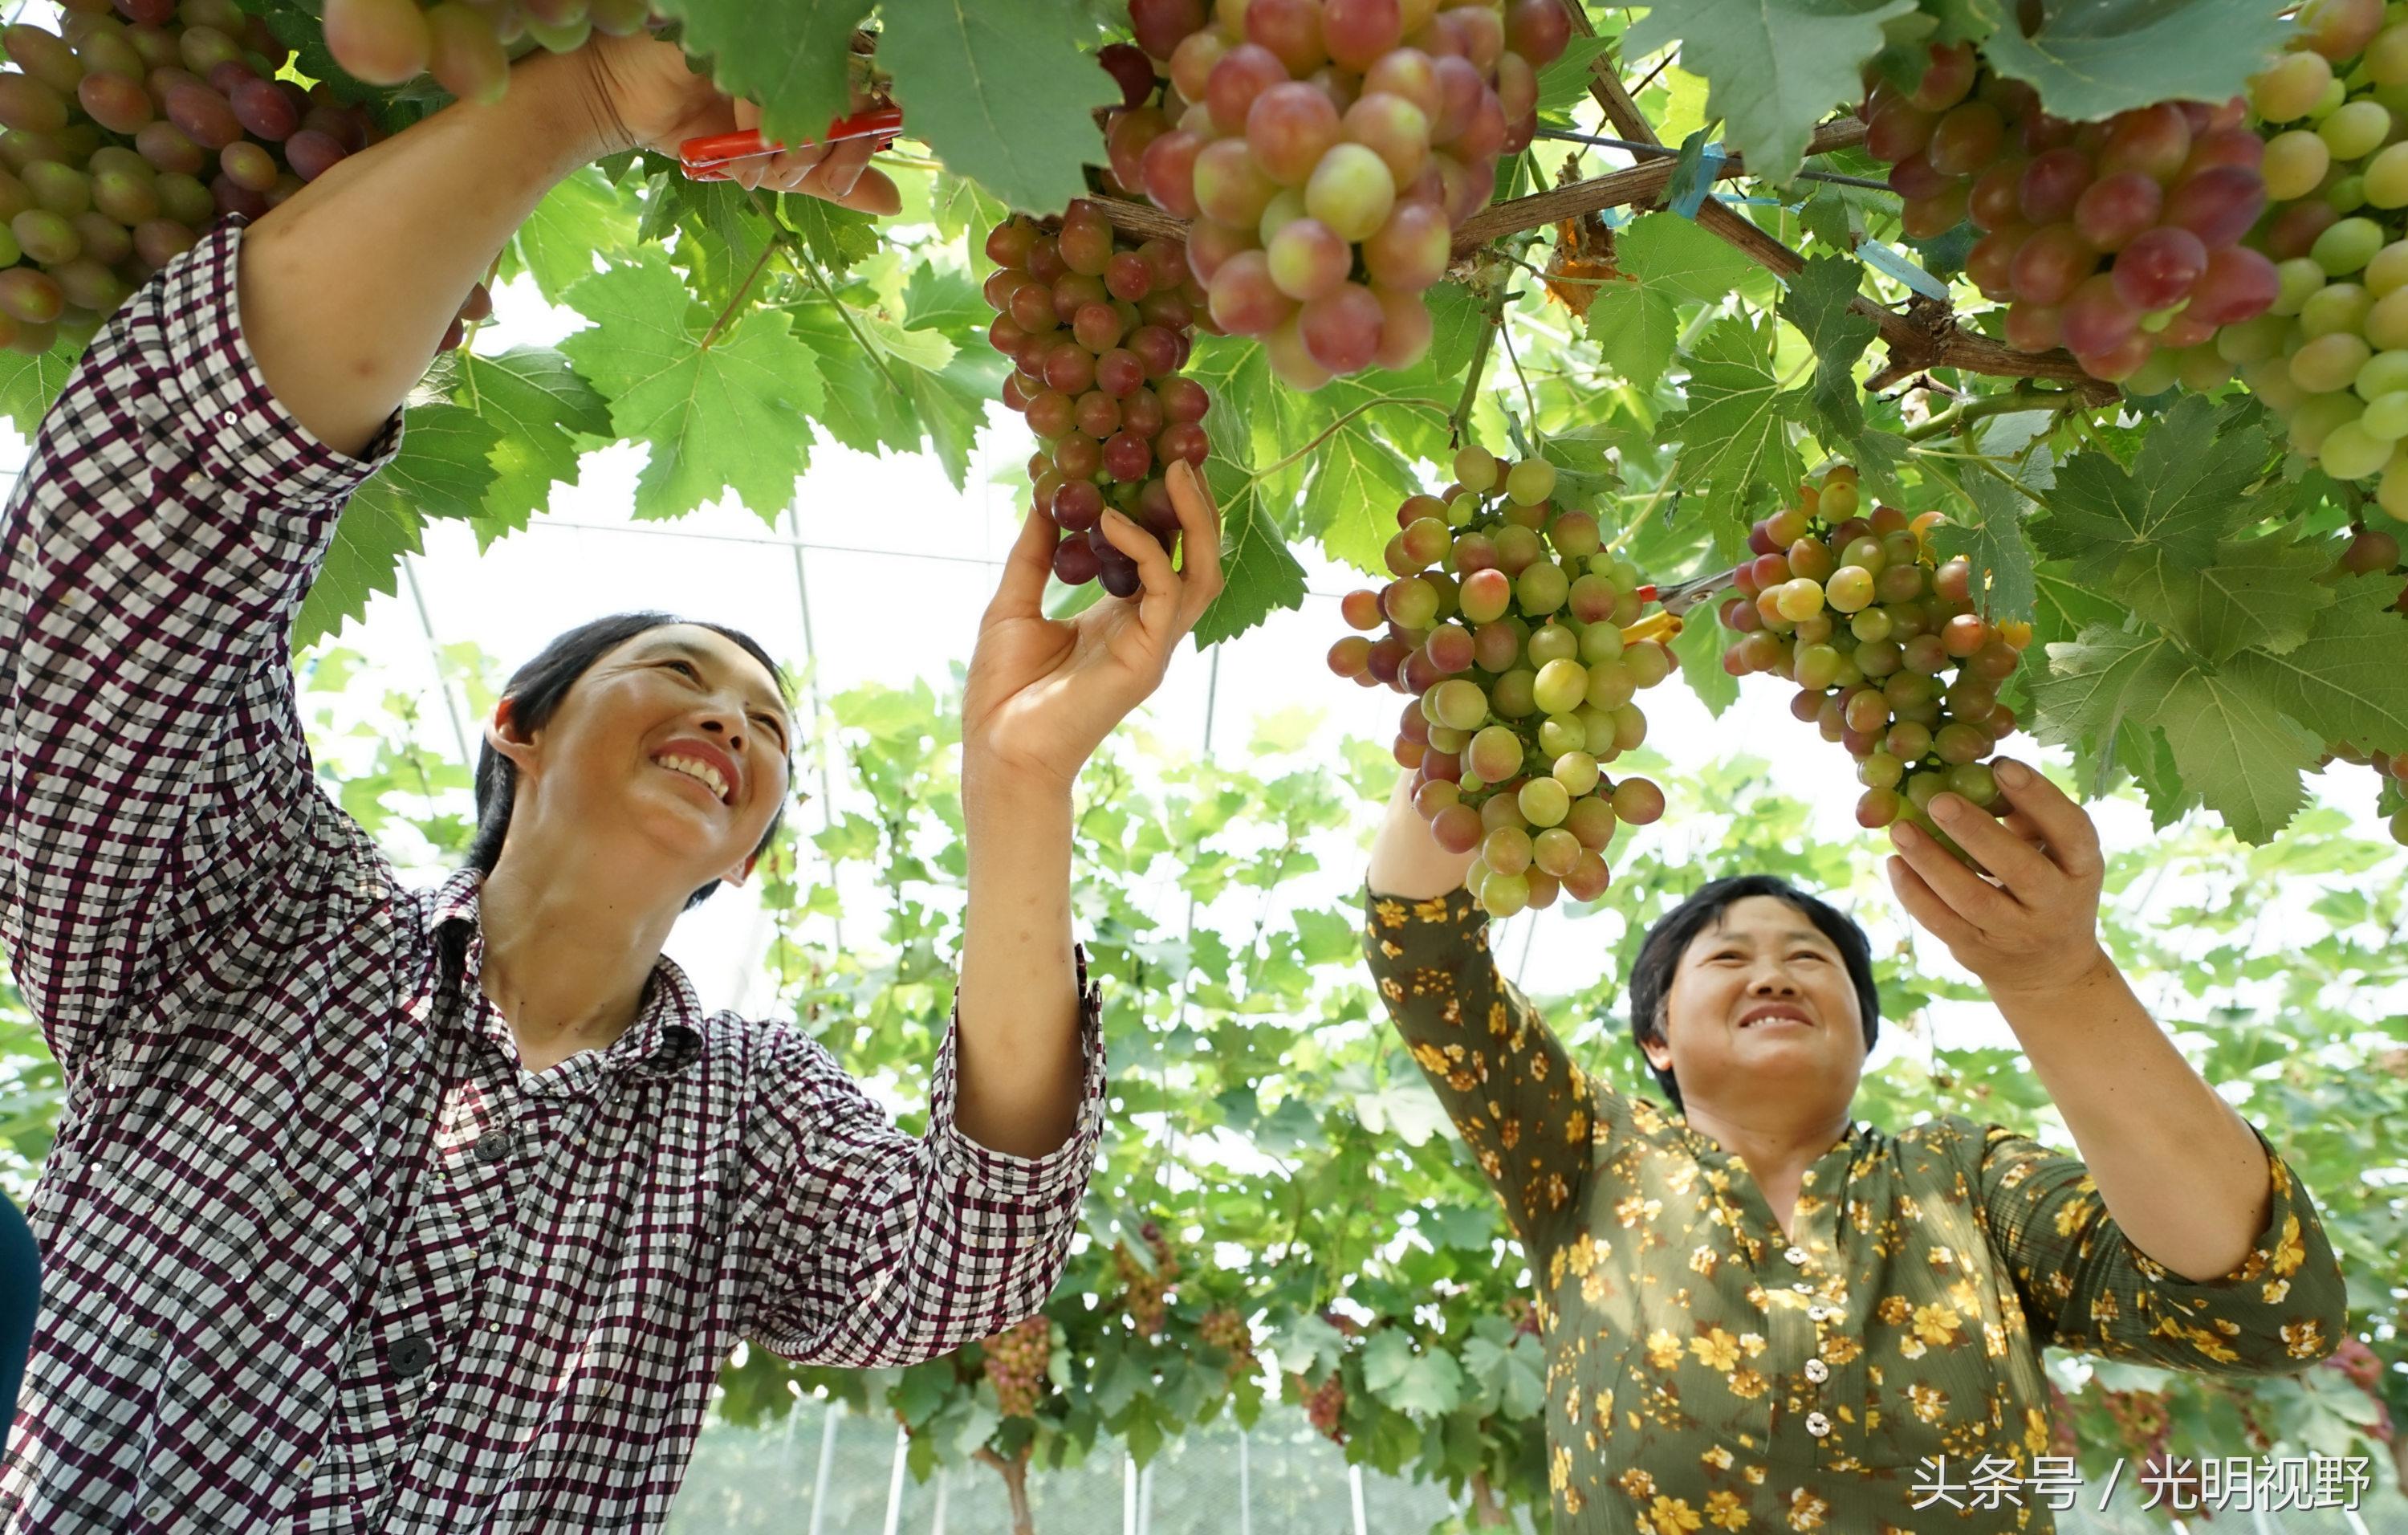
{"x": 708, "y": 159}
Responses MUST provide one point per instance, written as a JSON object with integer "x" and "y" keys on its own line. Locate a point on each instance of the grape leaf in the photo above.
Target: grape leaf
{"x": 960, "y": 206}
{"x": 1002, "y": 90}
{"x": 1772, "y": 67}
{"x": 945, "y": 300}
{"x": 2095, "y": 680}
{"x": 2182, "y": 495}
{"x": 1258, "y": 574}
{"x": 790, "y": 59}
{"x": 1993, "y": 539}
{"x": 1699, "y": 647}
{"x": 836, "y": 238}
{"x": 718, "y": 417}
{"x": 29, "y": 384}
{"x": 540, "y": 406}
{"x": 2263, "y": 595}
{"x": 1428, "y": 1383}
{"x": 1817, "y": 302}
{"x": 2239, "y": 753}
{"x": 2092, "y": 59}
{"x": 579, "y": 219}
{"x": 1734, "y": 436}
{"x": 373, "y": 536}
{"x": 1664, "y": 260}
{"x": 2348, "y": 680}
{"x": 1564, "y": 84}
{"x": 1350, "y": 503}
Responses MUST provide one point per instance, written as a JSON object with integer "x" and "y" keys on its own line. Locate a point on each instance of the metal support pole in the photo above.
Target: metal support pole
{"x": 1245, "y": 1485}
{"x": 811, "y": 689}
{"x": 1145, "y": 1500}
{"x": 1355, "y": 1484}
{"x": 895, "y": 1481}
{"x": 944, "y": 1490}
{"x": 1129, "y": 1494}
{"x": 827, "y": 1468}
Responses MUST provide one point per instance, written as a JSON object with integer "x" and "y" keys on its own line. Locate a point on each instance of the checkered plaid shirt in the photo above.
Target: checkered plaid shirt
{"x": 320, "y": 1256}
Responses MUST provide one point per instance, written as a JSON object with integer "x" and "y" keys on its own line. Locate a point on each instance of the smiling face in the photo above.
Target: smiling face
{"x": 1760, "y": 1001}
{"x": 673, "y": 746}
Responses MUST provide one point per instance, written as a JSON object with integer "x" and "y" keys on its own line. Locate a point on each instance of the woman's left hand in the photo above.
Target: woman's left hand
{"x": 1044, "y": 693}
{"x": 2032, "y": 927}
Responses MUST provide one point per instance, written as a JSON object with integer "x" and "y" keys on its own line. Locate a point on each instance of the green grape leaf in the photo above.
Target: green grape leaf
{"x": 1665, "y": 261}
{"x": 1699, "y": 647}
{"x": 1564, "y": 84}
{"x": 1259, "y": 576}
{"x": 2236, "y": 747}
{"x": 1735, "y": 435}
{"x": 2183, "y": 494}
{"x": 1993, "y": 539}
{"x": 2091, "y": 59}
{"x": 969, "y": 80}
{"x": 1351, "y": 502}
{"x": 443, "y": 470}
{"x": 540, "y": 406}
{"x": 580, "y": 218}
{"x": 28, "y": 385}
{"x": 376, "y": 530}
{"x": 790, "y": 59}
{"x": 2263, "y": 595}
{"x": 1772, "y": 67}
{"x": 1426, "y": 1383}
{"x": 2094, "y": 681}
{"x": 718, "y": 417}
{"x": 836, "y": 238}
{"x": 945, "y": 300}
{"x": 1817, "y": 302}
{"x": 2348, "y": 680}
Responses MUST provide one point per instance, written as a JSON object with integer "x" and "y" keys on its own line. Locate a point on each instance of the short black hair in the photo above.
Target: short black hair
{"x": 1659, "y": 956}
{"x": 537, "y": 690}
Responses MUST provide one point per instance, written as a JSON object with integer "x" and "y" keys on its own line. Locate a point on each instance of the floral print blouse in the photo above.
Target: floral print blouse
{"x": 1707, "y": 1373}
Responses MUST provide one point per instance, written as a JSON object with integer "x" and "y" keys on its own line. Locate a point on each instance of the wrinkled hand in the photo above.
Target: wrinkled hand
{"x": 645, "y": 90}
{"x": 1044, "y": 693}
{"x": 2032, "y": 927}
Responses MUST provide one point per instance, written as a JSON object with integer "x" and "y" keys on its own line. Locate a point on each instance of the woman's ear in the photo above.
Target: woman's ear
{"x": 502, "y": 732}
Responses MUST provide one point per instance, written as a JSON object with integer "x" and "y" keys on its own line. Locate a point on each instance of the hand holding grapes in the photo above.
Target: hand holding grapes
{"x": 2032, "y": 927}
{"x": 646, "y": 89}
{"x": 1044, "y": 693}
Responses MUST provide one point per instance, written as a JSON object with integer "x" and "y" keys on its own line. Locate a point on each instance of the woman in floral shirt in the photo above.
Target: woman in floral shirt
{"x": 1762, "y": 1315}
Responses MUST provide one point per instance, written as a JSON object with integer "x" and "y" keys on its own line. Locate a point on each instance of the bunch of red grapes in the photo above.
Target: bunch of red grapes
{"x": 1098, "y": 327}
{"x": 1323, "y": 151}
{"x": 130, "y": 134}
{"x": 1890, "y": 654}
{"x": 467, "y": 46}
{"x": 1224, "y": 1327}
{"x": 1519, "y": 637}
{"x": 1324, "y": 1405}
{"x": 1144, "y": 1292}
{"x": 1016, "y": 1361}
{"x": 2119, "y": 240}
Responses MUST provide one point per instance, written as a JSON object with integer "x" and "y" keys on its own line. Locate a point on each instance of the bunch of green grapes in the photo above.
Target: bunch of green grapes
{"x": 1016, "y": 1361}
{"x": 1518, "y": 636}
{"x": 1324, "y": 151}
{"x": 2372, "y": 551}
{"x": 1891, "y": 656}
{"x": 466, "y": 45}
{"x": 2120, "y": 240}
{"x": 2331, "y": 358}
{"x": 1098, "y": 327}
{"x": 129, "y": 132}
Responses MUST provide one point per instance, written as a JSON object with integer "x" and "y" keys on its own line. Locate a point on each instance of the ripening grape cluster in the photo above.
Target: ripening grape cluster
{"x": 2119, "y": 240}
{"x": 1325, "y": 1406}
{"x": 1224, "y": 1327}
{"x": 2372, "y": 551}
{"x": 1516, "y": 632}
{"x": 1143, "y": 1294}
{"x": 2331, "y": 359}
{"x": 1884, "y": 641}
{"x": 1016, "y": 1361}
{"x": 131, "y": 134}
{"x": 1097, "y": 328}
{"x": 466, "y": 45}
{"x": 1323, "y": 151}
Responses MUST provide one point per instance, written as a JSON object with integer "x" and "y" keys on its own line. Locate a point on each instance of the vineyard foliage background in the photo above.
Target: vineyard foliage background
{"x": 2196, "y": 644}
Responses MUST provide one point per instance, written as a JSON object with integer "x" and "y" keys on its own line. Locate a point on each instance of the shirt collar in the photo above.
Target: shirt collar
{"x": 667, "y": 1035}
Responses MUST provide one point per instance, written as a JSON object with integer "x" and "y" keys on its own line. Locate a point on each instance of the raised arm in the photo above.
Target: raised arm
{"x": 1523, "y": 1108}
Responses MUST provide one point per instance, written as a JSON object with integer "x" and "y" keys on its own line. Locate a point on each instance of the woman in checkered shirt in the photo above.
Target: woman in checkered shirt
{"x": 376, "y": 1209}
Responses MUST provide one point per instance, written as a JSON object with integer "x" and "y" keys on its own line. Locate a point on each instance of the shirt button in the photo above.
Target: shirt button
{"x": 409, "y": 1356}
{"x": 1797, "y": 1256}
{"x": 494, "y": 1145}
{"x": 1818, "y": 1372}
{"x": 1817, "y": 1425}
{"x": 154, "y": 1511}
{"x": 309, "y": 1464}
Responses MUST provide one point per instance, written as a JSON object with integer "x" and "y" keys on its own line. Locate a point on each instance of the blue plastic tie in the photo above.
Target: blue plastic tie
{"x": 1881, "y": 258}
{"x": 1710, "y": 166}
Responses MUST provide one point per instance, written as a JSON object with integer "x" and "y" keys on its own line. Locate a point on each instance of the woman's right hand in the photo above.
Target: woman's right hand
{"x": 646, "y": 96}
